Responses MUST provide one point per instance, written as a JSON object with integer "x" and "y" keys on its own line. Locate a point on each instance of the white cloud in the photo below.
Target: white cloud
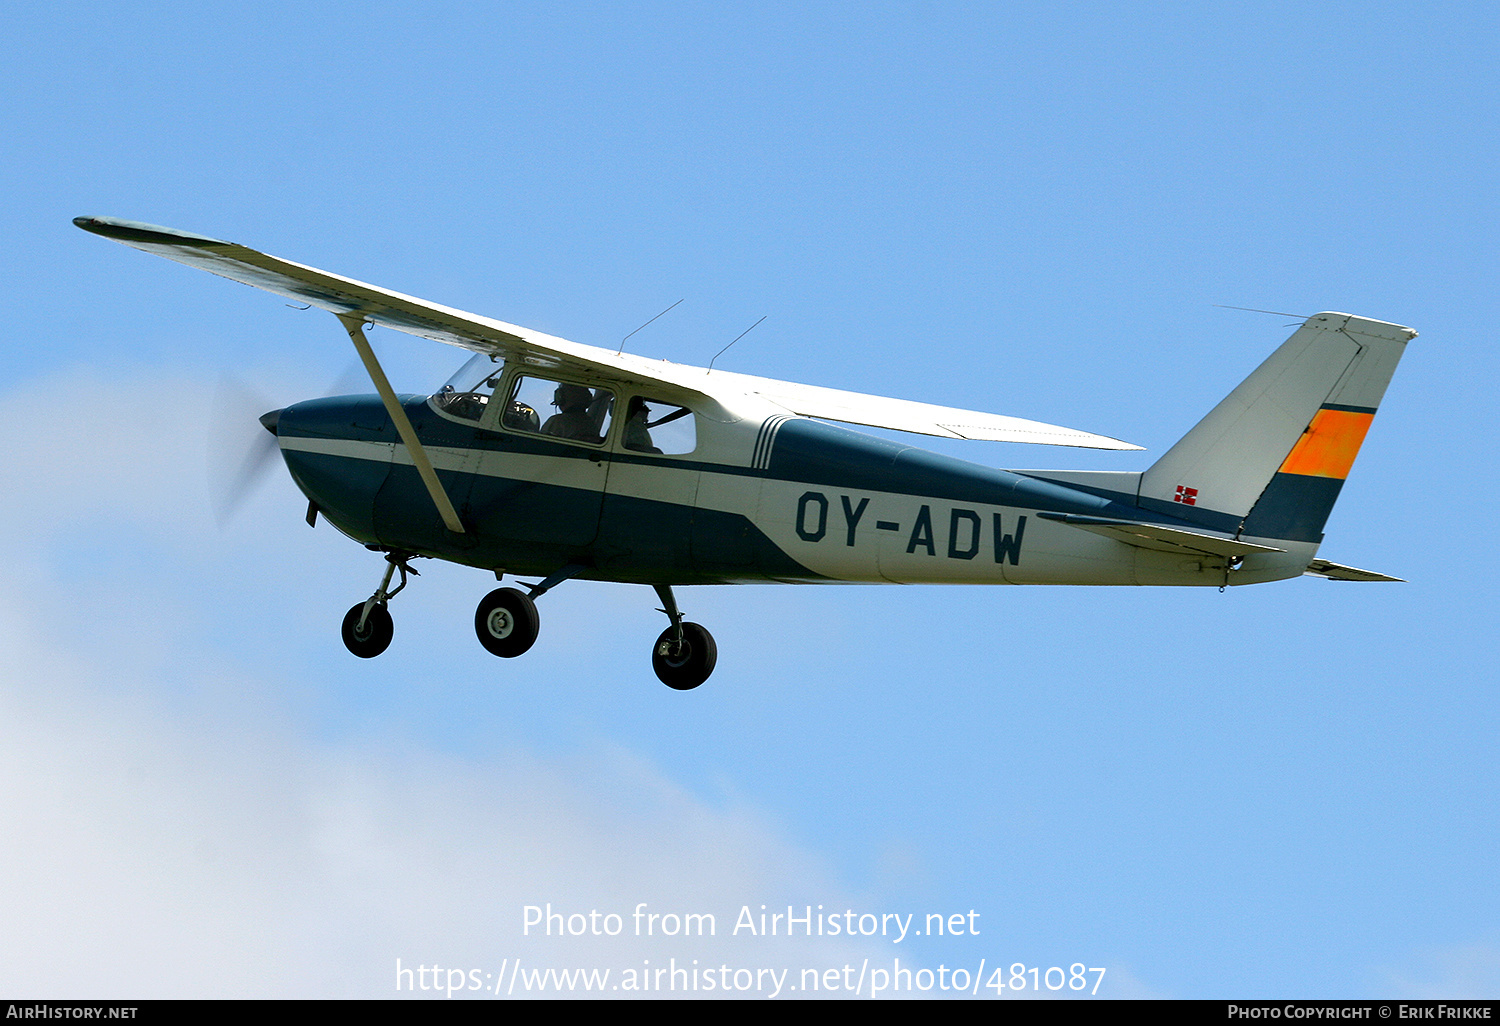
{"x": 158, "y": 853}
{"x": 173, "y": 829}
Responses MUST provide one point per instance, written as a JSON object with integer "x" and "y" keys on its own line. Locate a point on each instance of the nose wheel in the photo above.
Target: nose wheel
{"x": 506, "y": 622}
{"x": 368, "y": 629}
{"x": 367, "y": 634}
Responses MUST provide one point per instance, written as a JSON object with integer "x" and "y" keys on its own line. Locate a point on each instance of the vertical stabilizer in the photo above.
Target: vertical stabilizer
{"x": 1270, "y": 459}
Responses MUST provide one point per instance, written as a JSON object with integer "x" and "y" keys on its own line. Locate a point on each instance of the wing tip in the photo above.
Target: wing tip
{"x": 139, "y": 232}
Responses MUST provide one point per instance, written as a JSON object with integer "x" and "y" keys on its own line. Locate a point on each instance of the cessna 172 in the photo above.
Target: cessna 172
{"x": 654, "y": 473}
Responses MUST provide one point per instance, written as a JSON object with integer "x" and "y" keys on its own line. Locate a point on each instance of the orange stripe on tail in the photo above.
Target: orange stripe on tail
{"x": 1328, "y": 447}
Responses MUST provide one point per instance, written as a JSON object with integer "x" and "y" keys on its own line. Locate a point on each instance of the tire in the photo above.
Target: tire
{"x": 686, "y": 669}
{"x": 375, "y": 638}
{"x": 506, "y": 622}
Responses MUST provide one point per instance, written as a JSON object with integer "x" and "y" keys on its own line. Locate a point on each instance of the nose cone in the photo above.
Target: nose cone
{"x": 338, "y": 450}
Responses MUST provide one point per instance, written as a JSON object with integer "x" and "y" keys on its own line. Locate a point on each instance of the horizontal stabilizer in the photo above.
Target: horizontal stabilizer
{"x": 1337, "y": 572}
{"x": 1159, "y": 537}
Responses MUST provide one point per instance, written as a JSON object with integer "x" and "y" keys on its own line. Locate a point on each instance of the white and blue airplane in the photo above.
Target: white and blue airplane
{"x": 551, "y": 459}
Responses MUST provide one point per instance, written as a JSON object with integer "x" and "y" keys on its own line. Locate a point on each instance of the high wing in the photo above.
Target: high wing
{"x": 896, "y": 414}
{"x": 340, "y": 295}
{"x": 349, "y": 298}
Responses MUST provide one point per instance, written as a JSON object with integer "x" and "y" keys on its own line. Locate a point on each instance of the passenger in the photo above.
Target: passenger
{"x": 637, "y": 437}
{"x": 572, "y": 419}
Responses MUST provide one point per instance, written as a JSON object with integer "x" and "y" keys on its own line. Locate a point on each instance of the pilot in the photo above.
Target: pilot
{"x": 572, "y": 419}
{"x": 637, "y": 437}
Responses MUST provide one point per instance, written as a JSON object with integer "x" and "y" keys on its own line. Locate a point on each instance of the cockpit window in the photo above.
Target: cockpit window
{"x": 578, "y": 413}
{"x": 655, "y": 426}
{"x": 467, "y": 394}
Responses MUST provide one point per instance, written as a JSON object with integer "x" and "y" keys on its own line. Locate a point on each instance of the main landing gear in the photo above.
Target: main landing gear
{"x": 507, "y": 623}
{"x": 685, "y": 653}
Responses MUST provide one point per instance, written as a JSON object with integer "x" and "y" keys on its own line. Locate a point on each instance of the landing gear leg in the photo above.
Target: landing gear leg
{"x": 685, "y": 653}
{"x": 367, "y": 626}
{"x": 507, "y": 621}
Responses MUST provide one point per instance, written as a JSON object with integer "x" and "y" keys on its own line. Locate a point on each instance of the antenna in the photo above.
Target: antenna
{"x": 627, "y": 337}
{"x": 1251, "y": 309}
{"x": 741, "y": 335}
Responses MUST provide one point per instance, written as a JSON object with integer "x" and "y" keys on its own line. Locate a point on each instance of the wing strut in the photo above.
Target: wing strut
{"x": 355, "y": 325}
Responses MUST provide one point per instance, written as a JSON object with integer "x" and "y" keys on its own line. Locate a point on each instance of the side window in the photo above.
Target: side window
{"x": 561, "y": 409}
{"x": 654, "y": 426}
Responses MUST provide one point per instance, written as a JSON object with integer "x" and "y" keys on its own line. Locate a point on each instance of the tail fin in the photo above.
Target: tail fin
{"x": 1270, "y": 459}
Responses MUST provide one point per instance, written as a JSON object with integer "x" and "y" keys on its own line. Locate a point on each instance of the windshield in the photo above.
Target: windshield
{"x": 467, "y": 393}
{"x": 471, "y": 376}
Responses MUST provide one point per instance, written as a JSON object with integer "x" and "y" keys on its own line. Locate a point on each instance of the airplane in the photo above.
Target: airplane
{"x": 655, "y": 473}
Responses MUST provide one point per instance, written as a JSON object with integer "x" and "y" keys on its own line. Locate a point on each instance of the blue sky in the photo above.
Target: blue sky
{"x": 1283, "y": 790}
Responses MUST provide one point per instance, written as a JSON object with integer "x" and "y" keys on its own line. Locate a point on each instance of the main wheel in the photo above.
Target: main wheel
{"x": 684, "y": 668}
{"x": 506, "y": 622}
{"x": 376, "y": 636}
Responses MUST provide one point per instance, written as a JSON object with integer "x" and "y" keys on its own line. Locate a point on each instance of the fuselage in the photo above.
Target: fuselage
{"x": 760, "y": 497}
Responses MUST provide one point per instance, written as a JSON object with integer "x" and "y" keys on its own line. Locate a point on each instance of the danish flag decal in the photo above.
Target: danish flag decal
{"x": 1186, "y": 496}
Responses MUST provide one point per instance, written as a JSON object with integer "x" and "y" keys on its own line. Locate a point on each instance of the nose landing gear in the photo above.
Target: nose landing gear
{"x": 367, "y": 633}
{"x": 367, "y": 628}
